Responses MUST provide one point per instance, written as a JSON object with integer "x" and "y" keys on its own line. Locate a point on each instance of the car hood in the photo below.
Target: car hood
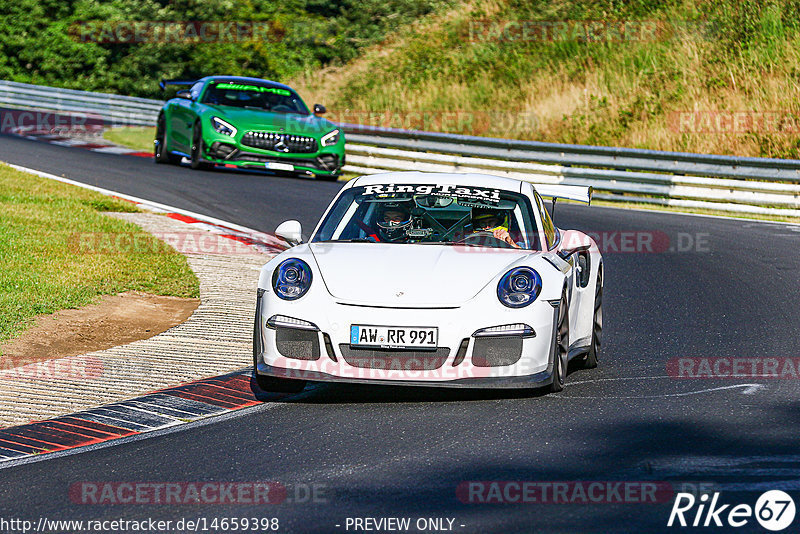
{"x": 382, "y": 274}
{"x": 251, "y": 119}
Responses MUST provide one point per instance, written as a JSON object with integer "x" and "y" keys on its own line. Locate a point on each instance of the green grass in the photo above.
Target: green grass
{"x": 729, "y": 55}
{"x": 42, "y": 268}
{"x": 135, "y": 137}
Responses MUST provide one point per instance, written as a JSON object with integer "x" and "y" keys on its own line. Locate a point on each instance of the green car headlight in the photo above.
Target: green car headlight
{"x": 223, "y": 127}
{"x": 330, "y": 139}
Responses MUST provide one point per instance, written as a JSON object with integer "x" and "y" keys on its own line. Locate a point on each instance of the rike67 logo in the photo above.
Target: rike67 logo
{"x": 774, "y": 510}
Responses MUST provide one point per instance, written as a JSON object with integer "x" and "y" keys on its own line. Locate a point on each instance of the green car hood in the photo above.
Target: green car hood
{"x": 250, "y": 119}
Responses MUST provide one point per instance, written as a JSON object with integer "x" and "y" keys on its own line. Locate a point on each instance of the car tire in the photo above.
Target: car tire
{"x": 561, "y": 346}
{"x": 160, "y": 153}
{"x": 328, "y": 178}
{"x": 197, "y": 148}
{"x": 597, "y": 323}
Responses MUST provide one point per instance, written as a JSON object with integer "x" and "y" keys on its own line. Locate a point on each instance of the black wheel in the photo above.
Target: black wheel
{"x": 279, "y": 385}
{"x": 197, "y": 148}
{"x": 597, "y": 324}
{"x": 160, "y": 153}
{"x": 561, "y": 349}
{"x": 328, "y": 177}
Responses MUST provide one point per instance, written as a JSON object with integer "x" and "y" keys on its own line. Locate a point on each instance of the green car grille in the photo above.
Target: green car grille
{"x": 279, "y": 142}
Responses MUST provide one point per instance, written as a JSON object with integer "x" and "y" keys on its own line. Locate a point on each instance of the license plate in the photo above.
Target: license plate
{"x": 394, "y": 337}
{"x": 279, "y": 166}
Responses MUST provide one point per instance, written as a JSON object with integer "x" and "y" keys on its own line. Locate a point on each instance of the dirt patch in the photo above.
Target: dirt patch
{"x": 113, "y": 320}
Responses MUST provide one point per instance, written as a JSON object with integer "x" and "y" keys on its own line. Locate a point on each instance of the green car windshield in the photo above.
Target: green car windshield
{"x": 254, "y": 96}
{"x": 440, "y": 214}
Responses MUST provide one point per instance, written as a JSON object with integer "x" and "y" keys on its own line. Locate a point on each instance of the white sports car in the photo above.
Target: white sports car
{"x": 436, "y": 279}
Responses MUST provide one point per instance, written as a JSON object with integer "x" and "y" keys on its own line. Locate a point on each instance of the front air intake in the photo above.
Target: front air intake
{"x": 496, "y": 351}
{"x": 297, "y": 344}
{"x": 399, "y": 360}
{"x": 328, "y": 162}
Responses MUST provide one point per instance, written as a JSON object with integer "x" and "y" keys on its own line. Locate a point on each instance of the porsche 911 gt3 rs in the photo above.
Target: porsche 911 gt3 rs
{"x": 432, "y": 279}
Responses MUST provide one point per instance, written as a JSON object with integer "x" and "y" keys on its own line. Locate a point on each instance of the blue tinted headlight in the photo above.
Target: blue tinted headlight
{"x": 519, "y": 287}
{"x": 331, "y": 138}
{"x": 223, "y": 127}
{"x": 291, "y": 279}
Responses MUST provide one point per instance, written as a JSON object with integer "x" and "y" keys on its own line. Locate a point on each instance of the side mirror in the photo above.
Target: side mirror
{"x": 573, "y": 241}
{"x": 184, "y": 93}
{"x": 291, "y": 231}
{"x": 319, "y": 109}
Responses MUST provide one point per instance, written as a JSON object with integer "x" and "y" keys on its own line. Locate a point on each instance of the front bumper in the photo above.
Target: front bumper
{"x": 461, "y": 360}
{"x": 542, "y": 378}
{"x": 224, "y": 150}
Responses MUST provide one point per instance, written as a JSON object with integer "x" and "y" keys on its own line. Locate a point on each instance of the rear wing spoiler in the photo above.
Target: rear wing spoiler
{"x": 578, "y": 193}
{"x": 164, "y": 83}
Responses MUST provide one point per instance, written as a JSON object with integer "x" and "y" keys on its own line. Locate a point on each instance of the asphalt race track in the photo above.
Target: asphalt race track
{"x": 727, "y": 289}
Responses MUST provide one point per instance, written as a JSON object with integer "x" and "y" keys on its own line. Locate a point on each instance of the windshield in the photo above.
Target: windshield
{"x": 443, "y": 214}
{"x": 254, "y": 96}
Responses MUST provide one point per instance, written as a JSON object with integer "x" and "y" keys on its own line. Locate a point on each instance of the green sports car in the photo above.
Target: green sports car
{"x": 249, "y": 123}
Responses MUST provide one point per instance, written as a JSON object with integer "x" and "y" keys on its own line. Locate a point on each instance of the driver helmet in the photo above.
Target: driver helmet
{"x": 486, "y": 219}
{"x": 393, "y": 220}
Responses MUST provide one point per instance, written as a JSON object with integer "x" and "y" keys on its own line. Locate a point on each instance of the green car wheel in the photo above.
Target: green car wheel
{"x": 160, "y": 152}
{"x": 197, "y": 149}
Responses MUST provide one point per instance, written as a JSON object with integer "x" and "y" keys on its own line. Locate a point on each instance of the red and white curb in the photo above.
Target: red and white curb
{"x": 155, "y": 411}
{"x": 89, "y": 139}
{"x": 78, "y": 130}
{"x": 100, "y": 145}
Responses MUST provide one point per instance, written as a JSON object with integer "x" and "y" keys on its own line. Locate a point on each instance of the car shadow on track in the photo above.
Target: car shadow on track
{"x": 346, "y": 393}
{"x": 252, "y": 171}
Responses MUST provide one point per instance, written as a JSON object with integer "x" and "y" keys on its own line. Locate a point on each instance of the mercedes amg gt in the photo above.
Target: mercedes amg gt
{"x": 247, "y": 123}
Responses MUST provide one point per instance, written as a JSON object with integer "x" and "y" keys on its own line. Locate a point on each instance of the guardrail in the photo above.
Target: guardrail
{"x": 112, "y": 109}
{"x": 736, "y": 184}
{"x": 727, "y": 183}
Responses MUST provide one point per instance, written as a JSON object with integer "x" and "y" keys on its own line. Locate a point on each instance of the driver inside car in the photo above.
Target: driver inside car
{"x": 493, "y": 221}
{"x": 393, "y": 221}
